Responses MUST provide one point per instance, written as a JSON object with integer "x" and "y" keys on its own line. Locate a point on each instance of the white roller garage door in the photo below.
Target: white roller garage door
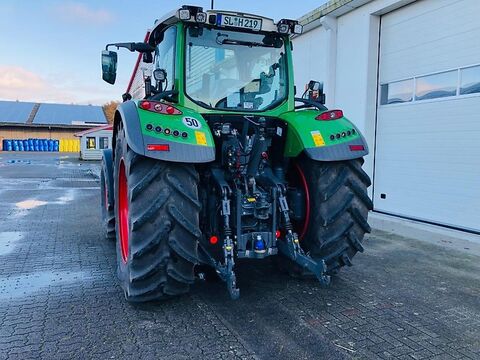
{"x": 427, "y": 156}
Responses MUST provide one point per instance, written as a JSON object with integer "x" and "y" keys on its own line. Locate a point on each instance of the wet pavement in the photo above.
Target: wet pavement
{"x": 59, "y": 298}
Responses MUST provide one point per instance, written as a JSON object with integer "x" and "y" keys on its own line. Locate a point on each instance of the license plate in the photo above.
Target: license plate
{"x": 239, "y": 22}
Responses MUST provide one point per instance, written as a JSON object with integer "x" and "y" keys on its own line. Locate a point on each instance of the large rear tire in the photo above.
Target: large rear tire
{"x": 157, "y": 212}
{"x": 338, "y": 210}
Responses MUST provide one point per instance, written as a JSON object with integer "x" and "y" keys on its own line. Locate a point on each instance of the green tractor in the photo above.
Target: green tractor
{"x": 215, "y": 160}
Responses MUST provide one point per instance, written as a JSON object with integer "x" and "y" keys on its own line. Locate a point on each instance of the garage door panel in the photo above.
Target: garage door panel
{"x": 427, "y": 157}
{"x": 430, "y": 30}
{"x": 428, "y": 162}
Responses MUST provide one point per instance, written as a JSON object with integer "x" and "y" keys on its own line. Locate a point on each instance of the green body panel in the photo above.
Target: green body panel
{"x": 175, "y": 122}
{"x": 304, "y": 129}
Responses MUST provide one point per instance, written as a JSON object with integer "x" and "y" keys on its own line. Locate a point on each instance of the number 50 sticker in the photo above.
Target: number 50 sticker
{"x": 191, "y": 123}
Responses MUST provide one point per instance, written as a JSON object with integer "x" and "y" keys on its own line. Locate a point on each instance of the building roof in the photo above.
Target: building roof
{"x": 59, "y": 114}
{"x": 99, "y": 128}
{"x": 334, "y": 7}
{"x": 15, "y": 112}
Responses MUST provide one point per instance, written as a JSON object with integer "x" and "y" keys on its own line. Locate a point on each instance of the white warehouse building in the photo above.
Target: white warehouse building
{"x": 407, "y": 73}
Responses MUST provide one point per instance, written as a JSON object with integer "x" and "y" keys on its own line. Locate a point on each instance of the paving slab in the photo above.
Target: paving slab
{"x": 59, "y": 298}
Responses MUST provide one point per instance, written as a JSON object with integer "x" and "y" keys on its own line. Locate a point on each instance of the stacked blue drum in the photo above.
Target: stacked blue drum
{"x": 30, "y": 145}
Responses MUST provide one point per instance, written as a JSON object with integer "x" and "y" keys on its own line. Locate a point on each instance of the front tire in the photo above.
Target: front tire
{"x": 157, "y": 211}
{"x": 106, "y": 195}
{"x": 339, "y": 206}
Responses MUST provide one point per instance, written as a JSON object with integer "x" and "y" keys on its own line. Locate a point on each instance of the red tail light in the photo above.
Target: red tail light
{"x": 356, "y": 147}
{"x": 145, "y": 105}
{"x": 158, "y": 147}
{"x": 330, "y": 115}
{"x": 159, "y": 107}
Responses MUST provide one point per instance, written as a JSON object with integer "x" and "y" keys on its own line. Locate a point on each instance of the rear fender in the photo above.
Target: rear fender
{"x": 145, "y": 129}
{"x": 333, "y": 140}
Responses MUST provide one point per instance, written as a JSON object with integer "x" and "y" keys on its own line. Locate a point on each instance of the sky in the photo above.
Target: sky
{"x": 51, "y": 48}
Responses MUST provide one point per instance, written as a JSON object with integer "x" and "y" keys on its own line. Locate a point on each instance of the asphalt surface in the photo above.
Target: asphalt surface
{"x": 59, "y": 298}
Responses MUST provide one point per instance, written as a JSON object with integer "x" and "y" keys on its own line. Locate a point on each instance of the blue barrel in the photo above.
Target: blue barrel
{"x": 50, "y": 145}
{"x": 40, "y": 145}
{"x": 15, "y": 145}
{"x": 20, "y": 145}
{"x": 36, "y": 145}
{"x": 30, "y": 145}
{"x": 4, "y": 144}
{"x": 9, "y": 145}
{"x": 25, "y": 145}
{"x": 56, "y": 145}
{"x": 45, "y": 145}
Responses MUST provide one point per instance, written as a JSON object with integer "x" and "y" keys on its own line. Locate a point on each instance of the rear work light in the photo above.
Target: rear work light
{"x": 287, "y": 26}
{"x": 159, "y": 107}
{"x": 192, "y": 13}
{"x": 356, "y": 147}
{"x": 201, "y": 17}
{"x": 158, "y": 147}
{"x": 184, "y": 14}
{"x": 283, "y": 28}
{"x": 330, "y": 115}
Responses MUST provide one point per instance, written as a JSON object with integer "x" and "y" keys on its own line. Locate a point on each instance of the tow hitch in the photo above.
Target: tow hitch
{"x": 290, "y": 247}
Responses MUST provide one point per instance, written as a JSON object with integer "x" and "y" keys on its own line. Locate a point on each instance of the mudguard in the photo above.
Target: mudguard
{"x": 333, "y": 140}
{"x": 187, "y": 139}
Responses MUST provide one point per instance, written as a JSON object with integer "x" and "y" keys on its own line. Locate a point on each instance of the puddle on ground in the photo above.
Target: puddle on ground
{"x": 69, "y": 196}
{"x": 30, "y": 204}
{"x": 19, "y": 161}
{"x": 25, "y": 285}
{"x": 8, "y": 240}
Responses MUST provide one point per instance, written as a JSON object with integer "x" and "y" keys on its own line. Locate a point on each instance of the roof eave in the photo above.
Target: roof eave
{"x": 333, "y": 8}
{"x": 60, "y": 126}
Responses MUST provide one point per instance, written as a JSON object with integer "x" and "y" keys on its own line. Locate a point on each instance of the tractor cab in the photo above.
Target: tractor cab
{"x": 213, "y": 61}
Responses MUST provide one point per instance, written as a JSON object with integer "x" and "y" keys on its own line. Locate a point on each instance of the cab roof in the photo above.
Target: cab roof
{"x": 173, "y": 17}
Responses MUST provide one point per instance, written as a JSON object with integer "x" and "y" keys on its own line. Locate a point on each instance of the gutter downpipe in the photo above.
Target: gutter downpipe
{"x": 329, "y": 23}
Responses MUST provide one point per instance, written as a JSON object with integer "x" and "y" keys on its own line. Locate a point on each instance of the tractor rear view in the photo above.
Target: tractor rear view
{"x": 215, "y": 160}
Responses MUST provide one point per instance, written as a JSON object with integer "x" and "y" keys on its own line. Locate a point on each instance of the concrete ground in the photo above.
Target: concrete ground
{"x": 59, "y": 298}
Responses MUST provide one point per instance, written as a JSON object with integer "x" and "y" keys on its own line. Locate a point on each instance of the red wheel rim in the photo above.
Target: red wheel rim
{"x": 123, "y": 210}
{"x": 304, "y": 184}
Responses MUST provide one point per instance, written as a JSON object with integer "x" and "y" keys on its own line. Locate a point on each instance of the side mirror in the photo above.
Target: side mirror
{"x": 109, "y": 66}
{"x": 315, "y": 91}
{"x": 160, "y": 75}
{"x": 315, "y": 86}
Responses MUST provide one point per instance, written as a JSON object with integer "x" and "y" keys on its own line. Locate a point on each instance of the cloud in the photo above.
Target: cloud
{"x": 18, "y": 83}
{"x": 16, "y": 78}
{"x": 81, "y": 13}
